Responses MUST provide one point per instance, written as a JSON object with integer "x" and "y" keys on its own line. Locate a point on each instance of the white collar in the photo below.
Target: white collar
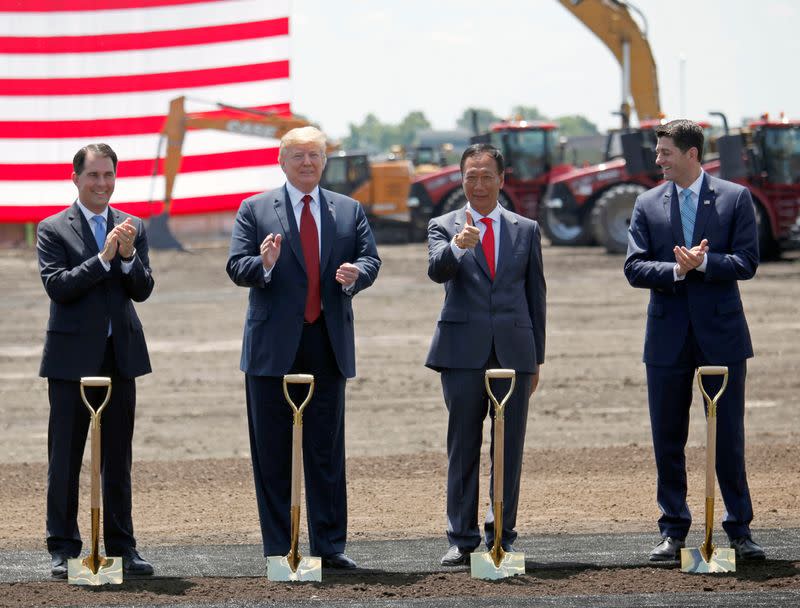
{"x": 493, "y": 215}
{"x": 695, "y": 186}
{"x": 90, "y": 214}
{"x": 296, "y": 196}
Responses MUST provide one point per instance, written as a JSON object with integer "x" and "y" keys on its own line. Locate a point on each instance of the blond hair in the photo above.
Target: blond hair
{"x": 302, "y": 135}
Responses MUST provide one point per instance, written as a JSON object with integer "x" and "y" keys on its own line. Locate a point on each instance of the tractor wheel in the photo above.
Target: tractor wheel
{"x": 567, "y": 232}
{"x": 768, "y": 247}
{"x": 611, "y": 216}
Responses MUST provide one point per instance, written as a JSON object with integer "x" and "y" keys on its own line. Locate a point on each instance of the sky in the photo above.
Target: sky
{"x": 390, "y": 57}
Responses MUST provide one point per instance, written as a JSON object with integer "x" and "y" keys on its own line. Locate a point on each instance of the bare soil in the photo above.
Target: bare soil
{"x": 588, "y": 464}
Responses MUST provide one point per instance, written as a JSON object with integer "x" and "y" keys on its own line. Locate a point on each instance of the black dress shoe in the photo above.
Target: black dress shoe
{"x": 338, "y": 560}
{"x": 58, "y": 566}
{"x": 133, "y": 563}
{"x": 746, "y": 549}
{"x": 668, "y": 550}
{"x": 455, "y": 557}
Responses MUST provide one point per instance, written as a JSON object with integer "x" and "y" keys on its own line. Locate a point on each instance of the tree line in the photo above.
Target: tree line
{"x": 374, "y": 135}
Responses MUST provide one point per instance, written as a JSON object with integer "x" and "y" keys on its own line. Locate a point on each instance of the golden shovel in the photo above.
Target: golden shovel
{"x": 497, "y": 563}
{"x": 708, "y": 558}
{"x": 95, "y": 569}
{"x": 295, "y": 567}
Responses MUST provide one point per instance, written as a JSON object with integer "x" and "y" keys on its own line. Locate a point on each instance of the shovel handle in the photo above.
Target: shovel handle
{"x": 712, "y": 370}
{"x": 298, "y": 379}
{"x": 98, "y": 381}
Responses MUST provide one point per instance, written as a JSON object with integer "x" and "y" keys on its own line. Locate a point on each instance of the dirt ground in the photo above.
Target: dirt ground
{"x": 588, "y": 464}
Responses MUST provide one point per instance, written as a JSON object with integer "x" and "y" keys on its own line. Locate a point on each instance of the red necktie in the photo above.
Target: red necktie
{"x": 488, "y": 244}
{"x": 309, "y": 241}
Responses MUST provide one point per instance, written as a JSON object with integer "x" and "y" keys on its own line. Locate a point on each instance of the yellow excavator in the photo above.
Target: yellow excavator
{"x": 612, "y": 22}
{"x": 381, "y": 187}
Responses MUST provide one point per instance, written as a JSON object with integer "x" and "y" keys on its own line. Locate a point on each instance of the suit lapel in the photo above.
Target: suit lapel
{"x": 705, "y": 205}
{"x": 673, "y": 214}
{"x": 509, "y": 233}
{"x": 327, "y": 217}
{"x": 82, "y": 228}
{"x": 290, "y": 231}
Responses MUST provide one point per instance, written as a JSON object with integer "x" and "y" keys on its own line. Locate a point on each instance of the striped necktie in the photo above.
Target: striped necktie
{"x": 688, "y": 213}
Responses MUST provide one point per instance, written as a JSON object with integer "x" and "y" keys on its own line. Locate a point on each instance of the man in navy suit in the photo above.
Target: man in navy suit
{"x": 94, "y": 264}
{"x": 490, "y": 262}
{"x": 690, "y": 241}
{"x": 304, "y": 252}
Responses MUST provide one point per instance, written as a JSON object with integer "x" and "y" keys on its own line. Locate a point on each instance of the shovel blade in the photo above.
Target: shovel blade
{"x": 110, "y": 573}
{"x": 309, "y": 569}
{"x": 482, "y": 565}
{"x": 722, "y": 560}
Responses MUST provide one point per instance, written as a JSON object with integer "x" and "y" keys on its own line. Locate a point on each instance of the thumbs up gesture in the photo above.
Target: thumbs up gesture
{"x": 469, "y": 235}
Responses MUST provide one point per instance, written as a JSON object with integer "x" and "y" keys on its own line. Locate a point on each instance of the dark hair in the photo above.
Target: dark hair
{"x": 102, "y": 150}
{"x": 685, "y": 133}
{"x": 478, "y": 149}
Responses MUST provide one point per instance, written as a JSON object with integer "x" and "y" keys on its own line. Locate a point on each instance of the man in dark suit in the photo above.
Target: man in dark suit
{"x": 304, "y": 252}
{"x": 490, "y": 262}
{"x": 690, "y": 240}
{"x": 93, "y": 263}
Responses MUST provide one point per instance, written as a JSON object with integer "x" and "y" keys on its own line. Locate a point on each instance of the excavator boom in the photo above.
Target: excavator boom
{"x": 611, "y": 22}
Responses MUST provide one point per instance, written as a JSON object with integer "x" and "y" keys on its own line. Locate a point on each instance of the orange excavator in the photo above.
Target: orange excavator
{"x": 382, "y": 188}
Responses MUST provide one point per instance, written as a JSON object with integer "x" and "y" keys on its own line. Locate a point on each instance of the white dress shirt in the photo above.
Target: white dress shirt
{"x": 493, "y": 215}
{"x": 694, "y": 188}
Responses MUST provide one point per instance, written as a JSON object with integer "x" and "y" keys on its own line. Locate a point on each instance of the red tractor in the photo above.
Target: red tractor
{"x": 593, "y": 204}
{"x": 765, "y": 157}
{"x": 532, "y": 151}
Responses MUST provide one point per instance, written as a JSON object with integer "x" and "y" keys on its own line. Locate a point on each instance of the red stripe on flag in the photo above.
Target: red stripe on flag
{"x": 100, "y": 85}
{"x": 105, "y": 127}
{"x": 144, "y": 40}
{"x": 15, "y": 214}
{"x": 237, "y": 159}
{"x": 52, "y": 6}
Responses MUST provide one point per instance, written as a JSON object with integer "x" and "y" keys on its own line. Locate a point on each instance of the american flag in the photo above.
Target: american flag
{"x": 74, "y": 72}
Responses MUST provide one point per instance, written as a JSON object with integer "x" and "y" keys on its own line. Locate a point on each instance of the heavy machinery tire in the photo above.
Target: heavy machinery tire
{"x": 564, "y": 234}
{"x": 768, "y": 247}
{"x": 455, "y": 200}
{"x": 611, "y": 216}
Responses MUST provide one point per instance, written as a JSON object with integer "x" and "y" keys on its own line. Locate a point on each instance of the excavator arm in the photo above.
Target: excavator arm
{"x": 611, "y": 22}
{"x": 235, "y": 120}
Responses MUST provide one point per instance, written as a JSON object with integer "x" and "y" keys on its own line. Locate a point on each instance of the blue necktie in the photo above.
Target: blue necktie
{"x": 99, "y": 231}
{"x": 688, "y": 213}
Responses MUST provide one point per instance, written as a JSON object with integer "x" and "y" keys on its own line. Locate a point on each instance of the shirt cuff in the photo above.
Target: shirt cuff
{"x": 675, "y": 274}
{"x": 348, "y": 289}
{"x": 126, "y": 266}
{"x": 267, "y": 274}
{"x": 457, "y": 251}
{"x": 106, "y": 265}
{"x": 703, "y": 264}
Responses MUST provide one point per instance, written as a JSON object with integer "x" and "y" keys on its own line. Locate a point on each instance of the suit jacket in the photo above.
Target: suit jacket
{"x": 707, "y": 301}
{"x": 508, "y": 312}
{"x": 84, "y": 297}
{"x": 275, "y": 313}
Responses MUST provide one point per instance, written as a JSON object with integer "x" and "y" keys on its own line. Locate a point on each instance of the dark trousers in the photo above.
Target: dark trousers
{"x": 669, "y": 392}
{"x": 269, "y": 419}
{"x": 467, "y": 405}
{"x": 66, "y": 438}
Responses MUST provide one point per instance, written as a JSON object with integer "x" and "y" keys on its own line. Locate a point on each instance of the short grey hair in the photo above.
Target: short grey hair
{"x": 302, "y": 135}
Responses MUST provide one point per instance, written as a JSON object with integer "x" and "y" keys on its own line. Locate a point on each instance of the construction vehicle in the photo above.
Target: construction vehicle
{"x": 532, "y": 151}
{"x": 382, "y": 188}
{"x": 765, "y": 157}
{"x": 570, "y": 213}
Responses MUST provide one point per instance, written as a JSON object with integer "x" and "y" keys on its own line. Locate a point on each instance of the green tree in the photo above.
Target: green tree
{"x": 527, "y": 113}
{"x": 376, "y": 136}
{"x": 484, "y": 117}
{"x": 410, "y": 126}
{"x": 576, "y": 124}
